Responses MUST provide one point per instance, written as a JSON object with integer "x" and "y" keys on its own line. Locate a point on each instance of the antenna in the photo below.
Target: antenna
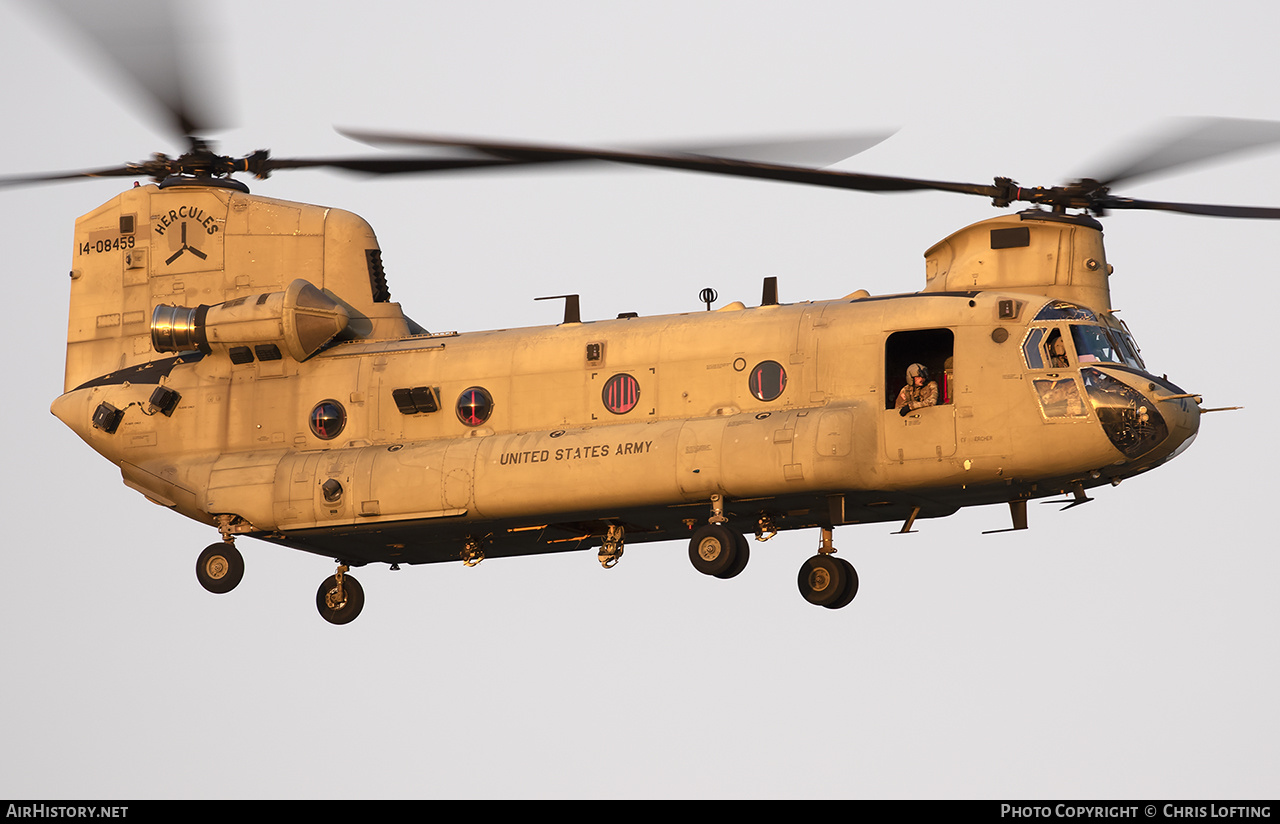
{"x": 769, "y": 297}
{"x": 571, "y": 311}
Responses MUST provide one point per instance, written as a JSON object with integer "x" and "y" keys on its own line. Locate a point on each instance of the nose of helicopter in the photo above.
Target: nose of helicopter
{"x": 1181, "y": 412}
{"x": 1148, "y": 419}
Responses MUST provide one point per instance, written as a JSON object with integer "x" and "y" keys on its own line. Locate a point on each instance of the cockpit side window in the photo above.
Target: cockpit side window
{"x": 1046, "y": 348}
{"x": 1031, "y": 348}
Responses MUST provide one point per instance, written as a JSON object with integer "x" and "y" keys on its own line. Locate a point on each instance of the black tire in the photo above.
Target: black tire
{"x": 741, "y": 554}
{"x": 850, "y": 586}
{"x": 713, "y": 549}
{"x": 822, "y": 580}
{"x": 346, "y": 610}
{"x": 219, "y": 568}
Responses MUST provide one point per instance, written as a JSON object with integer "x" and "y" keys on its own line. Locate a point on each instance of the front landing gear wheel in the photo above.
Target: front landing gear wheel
{"x": 340, "y": 604}
{"x": 742, "y": 554}
{"x": 219, "y": 568}
{"x": 850, "y": 586}
{"x": 826, "y": 581}
{"x": 717, "y": 550}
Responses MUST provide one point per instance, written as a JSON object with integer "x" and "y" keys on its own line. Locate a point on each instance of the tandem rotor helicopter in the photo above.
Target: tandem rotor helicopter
{"x": 240, "y": 359}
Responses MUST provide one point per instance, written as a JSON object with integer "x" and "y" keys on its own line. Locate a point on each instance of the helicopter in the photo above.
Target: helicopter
{"x": 240, "y": 360}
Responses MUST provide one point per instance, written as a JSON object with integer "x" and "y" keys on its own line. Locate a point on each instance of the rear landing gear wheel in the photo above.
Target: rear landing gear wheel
{"x": 717, "y": 550}
{"x": 340, "y": 603}
{"x": 826, "y": 581}
{"x": 219, "y": 568}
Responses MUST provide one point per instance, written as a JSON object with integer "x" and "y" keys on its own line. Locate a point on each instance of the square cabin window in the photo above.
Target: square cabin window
{"x": 932, "y": 348}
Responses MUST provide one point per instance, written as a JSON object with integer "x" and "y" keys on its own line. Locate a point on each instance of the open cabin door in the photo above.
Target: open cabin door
{"x": 927, "y": 433}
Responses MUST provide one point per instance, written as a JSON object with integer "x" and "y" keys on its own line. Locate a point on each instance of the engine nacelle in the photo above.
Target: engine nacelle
{"x": 300, "y": 319}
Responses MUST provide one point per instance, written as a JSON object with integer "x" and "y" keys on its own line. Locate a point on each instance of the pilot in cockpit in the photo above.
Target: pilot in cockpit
{"x": 1057, "y": 347}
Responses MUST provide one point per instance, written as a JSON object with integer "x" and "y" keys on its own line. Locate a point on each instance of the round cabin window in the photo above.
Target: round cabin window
{"x": 621, "y": 394}
{"x": 475, "y": 405}
{"x": 327, "y": 420}
{"x": 767, "y": 380}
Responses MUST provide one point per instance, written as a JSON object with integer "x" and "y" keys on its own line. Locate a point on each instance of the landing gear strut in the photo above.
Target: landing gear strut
{"x": 825, "y": 580}
{"x": 220, "y": 567}
{"x": 340, "y": 598}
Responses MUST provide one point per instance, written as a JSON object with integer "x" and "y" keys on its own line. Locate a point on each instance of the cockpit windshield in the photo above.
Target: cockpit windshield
{"x": 1093, "y": 345}
{"x": 1044, "y": 347}
{"x": 1100, "y": 344}
{"x": 1097, "y": 338}
{"x": 1125, "y": 343}
{"x": 1061, "y": 310}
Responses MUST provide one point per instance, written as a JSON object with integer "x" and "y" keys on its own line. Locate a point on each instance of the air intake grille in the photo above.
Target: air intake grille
{"x": 377, "y": 277}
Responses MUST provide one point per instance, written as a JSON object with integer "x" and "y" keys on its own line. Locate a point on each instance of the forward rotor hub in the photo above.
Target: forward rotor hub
{"x": 201, "y": 162}
{"x": 1087, "y": 194}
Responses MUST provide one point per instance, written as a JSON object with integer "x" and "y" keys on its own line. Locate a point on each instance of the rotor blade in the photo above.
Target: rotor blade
{"x": 688, "y": 162}
{"x": 1196, "y": 141}
{"x": 263, "y": 167}
{"x": 383, "y": 166}
{"x": 143, "y": 39}
{"x": 811, "y": 151}
{"x": 26, "y": 180}
{"x": 1259, "y": 212}
{"x": 805, "y": 151}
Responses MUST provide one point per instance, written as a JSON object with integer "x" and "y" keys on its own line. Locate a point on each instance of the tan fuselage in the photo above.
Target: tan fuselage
{"x": 552, "y": 466}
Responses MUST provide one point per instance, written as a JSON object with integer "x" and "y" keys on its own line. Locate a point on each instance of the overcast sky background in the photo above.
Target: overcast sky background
{"x": 1123, "y": 649}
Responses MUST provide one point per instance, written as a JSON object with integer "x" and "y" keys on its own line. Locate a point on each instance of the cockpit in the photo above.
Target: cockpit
{"x": 1063, "y": 348}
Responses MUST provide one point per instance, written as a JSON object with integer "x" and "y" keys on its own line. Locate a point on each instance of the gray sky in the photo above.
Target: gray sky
{"x": 1123, "y": 649}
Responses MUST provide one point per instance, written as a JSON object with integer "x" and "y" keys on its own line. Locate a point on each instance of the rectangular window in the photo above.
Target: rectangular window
{"x": 931, "y": 348}
{"x": 1060, "y": 398}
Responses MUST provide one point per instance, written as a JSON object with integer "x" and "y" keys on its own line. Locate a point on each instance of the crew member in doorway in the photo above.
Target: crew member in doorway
{"x": 919, "y": 391}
